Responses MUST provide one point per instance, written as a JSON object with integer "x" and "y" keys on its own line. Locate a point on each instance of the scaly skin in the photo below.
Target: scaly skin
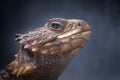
{"x": 45, "y": 52}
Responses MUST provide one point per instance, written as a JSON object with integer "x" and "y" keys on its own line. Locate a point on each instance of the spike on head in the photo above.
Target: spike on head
{"x": 17, "y": 35}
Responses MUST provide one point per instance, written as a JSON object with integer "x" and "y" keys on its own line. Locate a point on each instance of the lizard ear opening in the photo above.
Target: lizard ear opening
{"x": 28, "y": 53}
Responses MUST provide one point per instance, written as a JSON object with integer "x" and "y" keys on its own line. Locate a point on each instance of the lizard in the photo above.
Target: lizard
{"x": 46, "y": 51}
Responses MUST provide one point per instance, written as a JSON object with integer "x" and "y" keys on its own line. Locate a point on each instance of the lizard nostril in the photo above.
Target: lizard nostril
{"x": 78, "y": 24}
{"x": 81, "y": 23}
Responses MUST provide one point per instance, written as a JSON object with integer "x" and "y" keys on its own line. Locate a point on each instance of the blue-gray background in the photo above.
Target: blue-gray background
{"x": 99, "y": 60}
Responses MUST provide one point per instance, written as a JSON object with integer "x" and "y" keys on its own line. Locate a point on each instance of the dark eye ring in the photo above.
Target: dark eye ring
{"x": 56, "y": 26}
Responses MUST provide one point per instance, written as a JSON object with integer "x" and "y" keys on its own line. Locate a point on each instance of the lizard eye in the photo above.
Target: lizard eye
{"x": 56, "y": 26}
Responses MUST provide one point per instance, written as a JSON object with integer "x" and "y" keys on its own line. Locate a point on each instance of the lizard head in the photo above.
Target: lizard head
{"x": 48, "y": 49}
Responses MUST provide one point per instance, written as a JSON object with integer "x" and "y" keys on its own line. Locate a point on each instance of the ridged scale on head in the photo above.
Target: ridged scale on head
{"x": 33, "y": 37}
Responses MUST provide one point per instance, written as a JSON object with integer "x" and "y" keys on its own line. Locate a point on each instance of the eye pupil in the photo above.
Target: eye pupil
{"x": 56, "y": 26}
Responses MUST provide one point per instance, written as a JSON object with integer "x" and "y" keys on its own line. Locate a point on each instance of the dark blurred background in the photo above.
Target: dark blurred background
{"x": 99, "y": 60}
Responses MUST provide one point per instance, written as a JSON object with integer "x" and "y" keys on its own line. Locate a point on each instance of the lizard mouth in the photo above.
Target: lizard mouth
{"x": 85, "y": 34}
{"x": 84, "y": 31}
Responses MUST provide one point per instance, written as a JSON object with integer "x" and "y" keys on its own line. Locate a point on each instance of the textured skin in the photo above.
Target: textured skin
{"x": 45, "y": 52}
